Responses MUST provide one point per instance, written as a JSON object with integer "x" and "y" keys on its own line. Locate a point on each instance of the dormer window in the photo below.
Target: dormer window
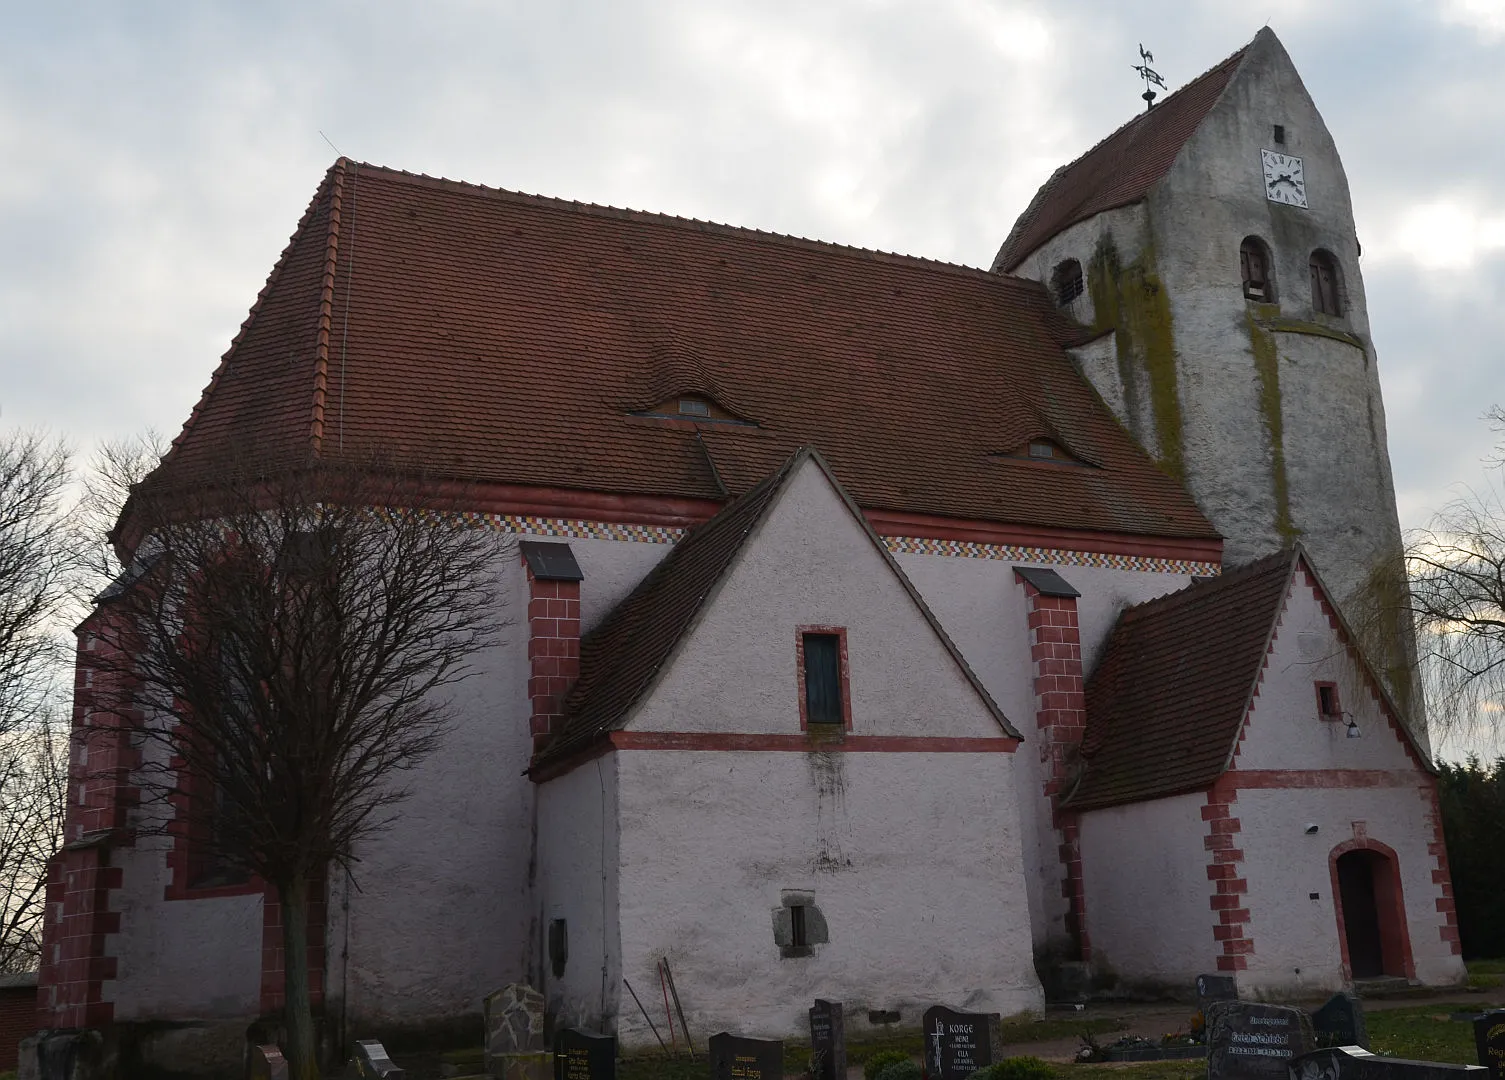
{"x": 1066, "y": 282}
{"x": 1042, "y": 449}
{"x": 1039, "y": 448}
{"x": 695, "y": 409}
{"x": 1254, "y": 266}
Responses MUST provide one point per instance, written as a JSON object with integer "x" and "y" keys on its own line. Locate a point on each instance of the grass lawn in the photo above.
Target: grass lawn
{"x": 1486, "y": 974}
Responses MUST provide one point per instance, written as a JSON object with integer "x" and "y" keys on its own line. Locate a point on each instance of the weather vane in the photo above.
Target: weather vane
{"x": 1149, "y": 75}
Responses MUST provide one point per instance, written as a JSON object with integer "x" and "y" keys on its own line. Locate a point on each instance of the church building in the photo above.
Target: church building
{"x": 882, "y": 630}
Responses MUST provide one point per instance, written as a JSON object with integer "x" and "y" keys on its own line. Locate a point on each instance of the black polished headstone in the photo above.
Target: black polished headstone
{"x": 1212, "y": 988}
{"x": 1341, "y": 1022}
{"x": 584, "y": 1055}
{"x": 1248, "y": 1041}
{"x": 957, "y": 1044}
{"x": 828, "y": 1041}
{"x": 371, "y": 1061}
{"x": 736, "y": 1058}
{"x": 1356, "y": 1063}
{"x": 1489, "y": 1039}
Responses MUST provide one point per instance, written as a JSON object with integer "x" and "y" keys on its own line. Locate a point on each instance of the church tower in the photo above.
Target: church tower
{"x": 1208, "y": 249}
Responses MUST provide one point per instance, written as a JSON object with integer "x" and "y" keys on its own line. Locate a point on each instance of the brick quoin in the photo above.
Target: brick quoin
{"x": 77, "y": 918}
{"x": 1061, "y": 718}
{"x": 553, "y": 651}
{"x": 1230, "y": 932}
{"x": 1442, "y": 875}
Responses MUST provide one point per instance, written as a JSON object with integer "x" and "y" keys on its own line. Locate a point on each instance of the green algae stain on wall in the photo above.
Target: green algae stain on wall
{"x": 1131, "y": 301}
{"x": 1267, "y": 369}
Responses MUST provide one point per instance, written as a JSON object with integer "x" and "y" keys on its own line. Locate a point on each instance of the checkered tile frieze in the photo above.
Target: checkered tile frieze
{"x": 900, "y": 545}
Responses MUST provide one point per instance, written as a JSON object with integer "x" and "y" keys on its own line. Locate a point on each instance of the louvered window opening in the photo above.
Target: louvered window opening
{"x": 1254, "y": 265}
{"x": 1066, "y": 282}
{"x": 822, "y": 679}
{"x": 1326, "y": 297}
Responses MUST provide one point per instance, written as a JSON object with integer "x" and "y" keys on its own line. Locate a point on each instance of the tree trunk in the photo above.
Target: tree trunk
{"x": 297, "y": 1010}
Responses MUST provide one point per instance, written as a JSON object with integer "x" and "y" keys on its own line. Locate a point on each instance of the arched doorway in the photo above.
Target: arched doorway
{"x": 1371, "y": 911}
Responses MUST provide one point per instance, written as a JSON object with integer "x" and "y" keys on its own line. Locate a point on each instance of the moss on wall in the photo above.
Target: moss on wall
{"x": 1130, "y": 301}
{"x": 1267, "y": 369}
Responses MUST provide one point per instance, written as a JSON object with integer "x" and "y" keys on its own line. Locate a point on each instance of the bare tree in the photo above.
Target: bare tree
{"x": 33, "y": 794}
{"x": 115, "y": 467}
{"x": 284, "y": 645}
{"x": 35, "y": 568}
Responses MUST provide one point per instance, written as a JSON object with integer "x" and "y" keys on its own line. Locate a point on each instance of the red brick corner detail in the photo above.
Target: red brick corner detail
{"x": 1231, "y": 930}
{"x": 1442, "y": 875}
{"x": 1061, "y": 718}
{"x": 553, "y": 652}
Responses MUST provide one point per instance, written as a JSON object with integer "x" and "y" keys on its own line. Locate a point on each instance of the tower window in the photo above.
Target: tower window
{"x": 1280, "y": 134}
{"x": 1254, "y": 266}
{"x": 799, "y": 934}
{"x": 1327, "y": 294}
{"x": 1066, "y": 282}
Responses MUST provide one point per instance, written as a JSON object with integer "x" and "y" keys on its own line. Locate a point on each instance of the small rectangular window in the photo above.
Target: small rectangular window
{"x": 1280, "y": 135}
{"x": 799, "y": 936}
{"x": 822, "y": 657}
{"x": 691, "y": 407}
{"x": 1327, "y": 701}
{"x": 1041, "y": 450}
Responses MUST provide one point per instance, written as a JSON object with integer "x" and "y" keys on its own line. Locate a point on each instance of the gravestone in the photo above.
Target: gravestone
{"x": 1341, "y": 1022}
{"x": 736, "y": 1058}
{"x": 1247, "y": 1041}
{"x": 1213, "y": 988}
{"x": 584, "y": 1055}
{"x": 371, "y": 1061}
{"x": 1489, "y": 1039}
{"x": 1356, "y": 1063}
{"x": 828, "y": 1041}
{"x": 515, "y": 1046}
{"x": 957, "y": 1044}
{"x": 265, "y": 1063}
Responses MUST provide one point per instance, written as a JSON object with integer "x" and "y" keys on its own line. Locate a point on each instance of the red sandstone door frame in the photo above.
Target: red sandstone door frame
{"x": 1389, "y": 898}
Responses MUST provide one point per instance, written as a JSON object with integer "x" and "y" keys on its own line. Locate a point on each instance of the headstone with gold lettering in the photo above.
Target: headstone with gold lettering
{"x": 828, "y": 1041}
{"x": 736, "y": 1058}
{"x": 1250, "y": 1041}
{"x": 584, "y": 1055}
{"x": 1489, "y": 1039}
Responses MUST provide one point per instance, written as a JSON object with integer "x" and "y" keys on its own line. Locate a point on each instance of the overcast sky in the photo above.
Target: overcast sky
{"x": 155, "y": 157}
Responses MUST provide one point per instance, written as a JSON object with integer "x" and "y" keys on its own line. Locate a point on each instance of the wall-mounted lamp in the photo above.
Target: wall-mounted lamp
{"x": 1353, "y": 728}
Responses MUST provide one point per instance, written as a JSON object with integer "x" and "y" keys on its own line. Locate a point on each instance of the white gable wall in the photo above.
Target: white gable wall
{"x": 913, "y": 857}
{"x": 1371, "y": 780}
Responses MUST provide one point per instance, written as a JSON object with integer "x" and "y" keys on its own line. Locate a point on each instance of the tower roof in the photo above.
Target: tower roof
{"x": 1122, "y": 168}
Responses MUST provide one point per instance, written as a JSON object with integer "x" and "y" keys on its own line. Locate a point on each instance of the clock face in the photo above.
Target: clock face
{"x": 1284, "y": 180}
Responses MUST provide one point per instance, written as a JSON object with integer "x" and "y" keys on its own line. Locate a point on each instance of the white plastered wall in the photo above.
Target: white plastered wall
{"x": 913, "y": 858}
{"x": 579, "y": 861}
{"x": 1296, "y": 937}
{"x": 983, "y": 607}
{"x": 1145, "y": 875}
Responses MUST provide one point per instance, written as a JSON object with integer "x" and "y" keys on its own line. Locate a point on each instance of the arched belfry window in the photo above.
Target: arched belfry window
{"x": 1327, "y": 286}
{"x": 1254, "y": 266}
{"x": 1066, "y": 282}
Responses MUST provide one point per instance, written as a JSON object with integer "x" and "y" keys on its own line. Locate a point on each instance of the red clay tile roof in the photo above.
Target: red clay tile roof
{"x": 621, "y": 658}
{"x": 1119, "y": 170}
{"x": 1168, "y": 698}
{"x": 484, "y": 335}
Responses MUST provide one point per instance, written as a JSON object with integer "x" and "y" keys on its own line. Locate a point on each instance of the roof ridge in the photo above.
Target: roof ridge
{"x": 326, "y": 301}
{"x": 309, "y": 214}
{"x": 699, "y": 224}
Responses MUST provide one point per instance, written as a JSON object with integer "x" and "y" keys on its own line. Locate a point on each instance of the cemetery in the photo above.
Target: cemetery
{"x": 1223, "y": 1038}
